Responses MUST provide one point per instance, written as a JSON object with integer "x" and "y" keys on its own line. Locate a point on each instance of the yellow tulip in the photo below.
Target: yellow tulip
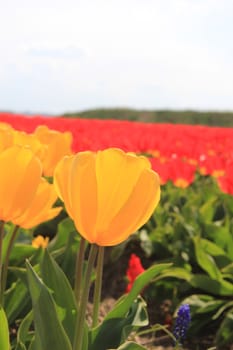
{"x": 6, "y": 126}
{"x": 26, "y": 198}
{"x": 19, "y": 178}
{"x": 22, "y": 138}
{"x": 109, "y": 194}
{"x": 58, "y": 145}
{"x": 6, "y": 136}
{"x": 40, "y": 209}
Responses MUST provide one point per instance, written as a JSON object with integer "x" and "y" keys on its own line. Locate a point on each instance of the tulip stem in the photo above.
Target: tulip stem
{"x": 79, "y": 270}
{"x": 80, "y": 322}
{"x": 1, "y": 241}
{"x": 6, "y": 262}
{"x": 98, "y": 286}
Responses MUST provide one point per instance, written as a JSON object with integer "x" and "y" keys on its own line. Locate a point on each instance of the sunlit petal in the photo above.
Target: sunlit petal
{"x": 19, "y": 177}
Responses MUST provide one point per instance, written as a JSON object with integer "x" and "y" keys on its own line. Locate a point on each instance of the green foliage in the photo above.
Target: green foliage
{"x": 49, "y": 332}
{"x": 56, "y": 281}
{"x": 128, "y": 314}
{"x": 189, "y": 243}
{"x": 16, "y": 300}
{"x": 163, "y": 116}
{"x": 54, "y": 311}
{"x": 4, "y": 331}
{"x": 194, "y": 230}
{"x": 24, "y": 337}
{"x": 115, "y": 330}
{"x": 224, "y": 334}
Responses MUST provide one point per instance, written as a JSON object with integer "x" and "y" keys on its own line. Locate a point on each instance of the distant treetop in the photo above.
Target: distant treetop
{"x": 211, "y": 118}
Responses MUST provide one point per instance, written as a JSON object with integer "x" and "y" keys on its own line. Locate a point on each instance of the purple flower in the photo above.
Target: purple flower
{"x": 182, "y": 322}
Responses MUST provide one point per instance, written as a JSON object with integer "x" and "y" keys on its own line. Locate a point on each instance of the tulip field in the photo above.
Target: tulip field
{"x": 141, "y": 213}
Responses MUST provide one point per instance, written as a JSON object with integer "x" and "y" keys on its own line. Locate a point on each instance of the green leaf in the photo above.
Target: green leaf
{"x": 20, "y": 346}
{"x": 207, "y": 210}
{"x": 222, "y": 310}
{"x": 228, "y": 269}
{"x": 32, "y": 345}
{"x": 211, "y": 248}
{"x": 210, "y": 306}
{"x": 6, "y": 240}
{"x": 49, "y": 331}
{"x": 69, "y": 256}
{"x": 4, "y": 331}
{"x": 222, "y": 237}
{"x": 16, "y": 299}
{"x": 121, "y": 319}
{"x": 65, "y": 227}
{"x": 122, "y": 307}
{"x": 23, "y": 332}
{"x": 177, "y": 272}
{"x": 20, "y": 252}
{"x": 205, "y": 260}
{"x": 62, "y": 293}
{"x": 214, "y": 287}
{"x": 225, "y": 335}
{"x": 113, "y": 332}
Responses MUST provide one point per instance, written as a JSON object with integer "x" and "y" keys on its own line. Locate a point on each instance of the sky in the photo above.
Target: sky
{"x": 61, "y": 56}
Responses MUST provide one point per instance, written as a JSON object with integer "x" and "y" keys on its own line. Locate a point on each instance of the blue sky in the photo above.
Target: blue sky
{"x": 58, "y": 56}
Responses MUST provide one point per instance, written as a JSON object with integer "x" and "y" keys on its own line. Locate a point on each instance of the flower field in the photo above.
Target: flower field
{"x": 176, "y": 152}
{"x": 157, "y": 197}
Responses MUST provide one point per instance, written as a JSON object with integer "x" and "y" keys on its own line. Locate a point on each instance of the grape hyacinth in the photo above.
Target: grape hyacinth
{"x": 182, "y": 322}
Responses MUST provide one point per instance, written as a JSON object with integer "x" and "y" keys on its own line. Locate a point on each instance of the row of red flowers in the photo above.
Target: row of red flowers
{"x": 176, "y": 151}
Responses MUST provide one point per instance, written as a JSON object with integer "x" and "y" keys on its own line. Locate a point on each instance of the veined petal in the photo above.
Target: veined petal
{"x": 117, "y": 173}
{"x": 41, "y": 207}
{"x": 84, "y": 194}
{"x": 58, "y": 145}
{"x": 62, "y": 182}
{"x": 136, "y": 211}
{"x": 6, "y": 139}
{"x": 21, "y": 138}
{"x": 109, "y": 195}
{"x": 19, "y": 177}
{"x": 44, "y": 216}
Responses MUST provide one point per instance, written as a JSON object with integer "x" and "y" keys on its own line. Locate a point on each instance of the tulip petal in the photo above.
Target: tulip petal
{"x": 40, "y": 209}
{"x": 19, "y": 177}
{"x": 84, "y": 194}
{"x": 58, "y": 145}
{"x": 62, "y": 182}
{"x": 43, "y": 217}
{"x": 117, "y": 173}
{"x": 109, "y": 195}
{"x": 136, "y": 211}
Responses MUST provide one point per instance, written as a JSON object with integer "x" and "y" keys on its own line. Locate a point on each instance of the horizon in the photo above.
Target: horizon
{"x": 131, "y": 109}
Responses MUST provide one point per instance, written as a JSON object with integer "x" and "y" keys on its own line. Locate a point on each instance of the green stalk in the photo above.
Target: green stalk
{"x": 80, "y": 323}
{"x": 1, "y": 241}
{"x": 79, "y": 270}
{"x": 6, "y": 262}
{"x": 98, "y": 286}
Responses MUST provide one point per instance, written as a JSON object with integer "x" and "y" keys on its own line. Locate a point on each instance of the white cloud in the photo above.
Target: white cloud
{"x": 71, "y": 55}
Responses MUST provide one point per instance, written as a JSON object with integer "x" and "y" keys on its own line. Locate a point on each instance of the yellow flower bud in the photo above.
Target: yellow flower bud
{"x": 40, "y": 242}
